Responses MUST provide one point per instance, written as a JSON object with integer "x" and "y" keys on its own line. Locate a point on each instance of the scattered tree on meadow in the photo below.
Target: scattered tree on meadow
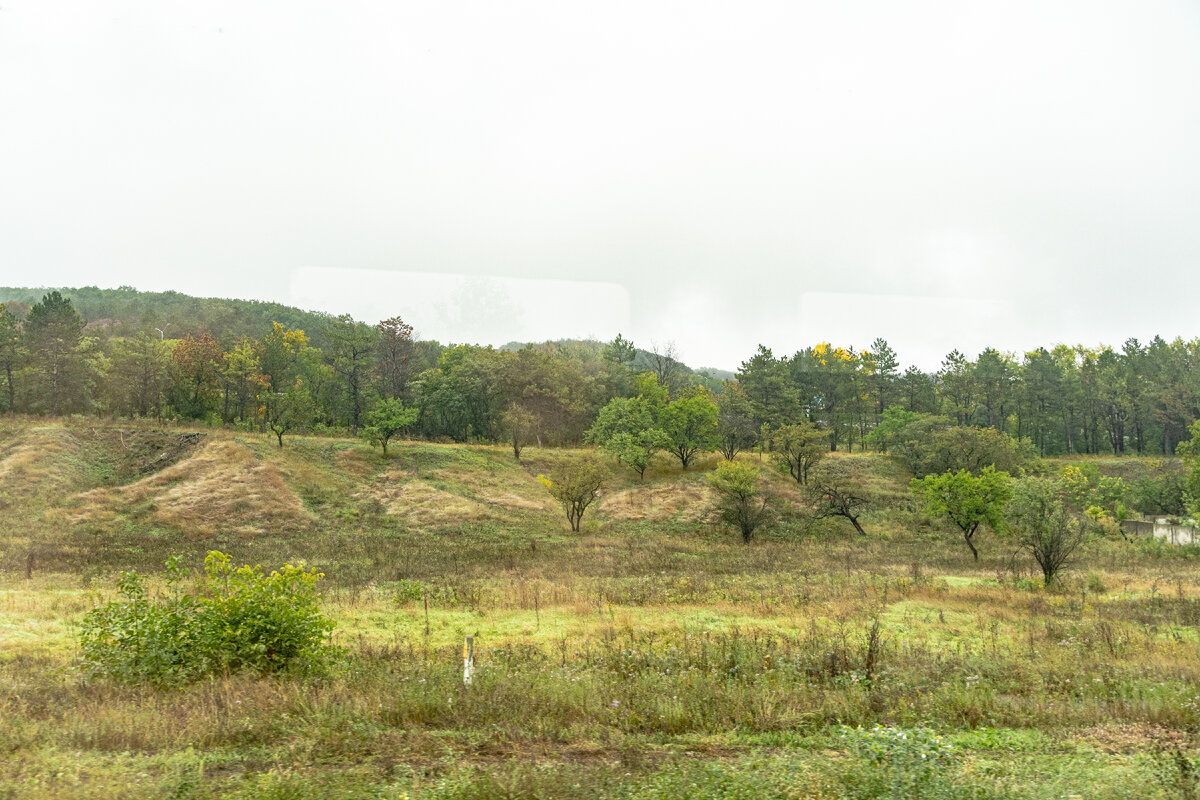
{"x": 520, "y": 425}
{"x": 690, "y": 425}
{"x": 966, "y": 500}
{"x": 1045, "y": 524}
{"x": 837, "y": 491}
{"x": 741, "y": 500}
{"x": 289, "y": 411}
{"x": 798, "y": 448}
{"x": 625, "y": 429}
{"x": 576, "y": 486}
{"x": 387, "y": 419}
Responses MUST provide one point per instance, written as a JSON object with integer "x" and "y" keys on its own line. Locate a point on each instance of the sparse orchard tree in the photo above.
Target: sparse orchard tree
{"x": 635, "y": 450}
{"x": 388, "y": 418}
{"x": 576, "y": 486}
{"x": 838, "y": 491}
{"x": 798, "y": 448}
{"x": 741, "y": 500}
{"x": 520, "y": 424}
{"x": 690, "y": 424}
{"x": 1045, "y": 525}
{"x": 966, "y": 500}
{"x": 288, "y": 411}
{"x": 625, "y": 429}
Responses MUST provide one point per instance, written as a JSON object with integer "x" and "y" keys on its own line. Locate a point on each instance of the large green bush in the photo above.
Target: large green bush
{"x": 933, "y": 445}
{"x": 740, "y": 497}
{"x": 240, "y": 620}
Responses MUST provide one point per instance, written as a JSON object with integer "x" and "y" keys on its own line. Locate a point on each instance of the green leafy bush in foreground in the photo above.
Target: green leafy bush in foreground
{"x": 242, "y": 620}
{"x": 914, "y": 759}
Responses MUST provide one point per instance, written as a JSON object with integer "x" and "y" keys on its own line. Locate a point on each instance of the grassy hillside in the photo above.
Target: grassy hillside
{"x": 650, "y": 655}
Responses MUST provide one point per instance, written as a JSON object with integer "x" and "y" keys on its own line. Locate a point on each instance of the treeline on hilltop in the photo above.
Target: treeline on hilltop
{"x": 1139, "y": 398}
{"x": 266, "y": 366}
{"x": 238, "y": 363}
{"x": 125, "y": 311}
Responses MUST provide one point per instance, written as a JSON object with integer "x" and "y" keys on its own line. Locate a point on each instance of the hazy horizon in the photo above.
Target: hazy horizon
{"x": 940, "y": 175}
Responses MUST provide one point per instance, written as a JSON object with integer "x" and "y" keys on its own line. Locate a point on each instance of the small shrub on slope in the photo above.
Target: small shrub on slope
{"x": 242, "y": 620}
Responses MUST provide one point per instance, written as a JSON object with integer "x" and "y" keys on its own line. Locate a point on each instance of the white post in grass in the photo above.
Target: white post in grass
{"x": 468, "y": 659}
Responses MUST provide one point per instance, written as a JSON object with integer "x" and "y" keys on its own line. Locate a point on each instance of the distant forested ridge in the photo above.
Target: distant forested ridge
{"x": 267, "y": 366}
{"x": 125, "y": 311}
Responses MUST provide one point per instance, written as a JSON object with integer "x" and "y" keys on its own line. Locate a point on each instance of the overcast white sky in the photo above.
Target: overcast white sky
{"x": 942, "y": 174}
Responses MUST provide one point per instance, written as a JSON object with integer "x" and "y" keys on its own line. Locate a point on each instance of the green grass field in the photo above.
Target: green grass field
{"x": 652, "y": 655}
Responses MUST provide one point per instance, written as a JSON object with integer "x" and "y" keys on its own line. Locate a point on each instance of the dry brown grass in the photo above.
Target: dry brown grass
{"x": 678, "y": 502}
{"x": 355, "y": 462}
{"x": 495, "y": 488}
{"x": 419, "y": 503}
{"x": 451, "y": 496}
{"x": 19, "y": 462}
{"x": 41, "y": 459}
{"x": 221, "y": 487}
{"x": 1118, "y": 737}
